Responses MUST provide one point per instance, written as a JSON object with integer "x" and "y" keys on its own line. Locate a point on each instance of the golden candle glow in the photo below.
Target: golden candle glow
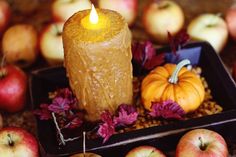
{"x": 93, "y": 16}
{"x": 95, "y": 20}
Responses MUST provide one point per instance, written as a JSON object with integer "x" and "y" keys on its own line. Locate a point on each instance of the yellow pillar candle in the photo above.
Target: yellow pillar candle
{"x": 97, "y": 47}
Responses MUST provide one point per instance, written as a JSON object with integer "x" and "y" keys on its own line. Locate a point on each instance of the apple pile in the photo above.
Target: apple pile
{"x": 195, "y": 143}
{"x": 17, "y": 142}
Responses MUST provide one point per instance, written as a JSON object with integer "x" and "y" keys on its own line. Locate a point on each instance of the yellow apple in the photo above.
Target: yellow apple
{"x": 20, "y": 44}
{"x": 161, "y": 17}
{"x": 145, "y": 151}
{"x": 211, "y": 28}
{"x": 51, "y": 43}
{"x": 63, "y": 9}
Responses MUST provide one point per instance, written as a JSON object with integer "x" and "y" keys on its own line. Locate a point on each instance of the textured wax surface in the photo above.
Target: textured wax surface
{"x": 98, "y": 64}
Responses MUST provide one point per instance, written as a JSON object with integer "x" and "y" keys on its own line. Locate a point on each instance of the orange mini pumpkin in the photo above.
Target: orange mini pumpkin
{"x": 173, "y": 82}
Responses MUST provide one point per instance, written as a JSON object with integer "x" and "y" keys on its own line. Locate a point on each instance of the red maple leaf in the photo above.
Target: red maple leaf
{"x": 145, "y": 55}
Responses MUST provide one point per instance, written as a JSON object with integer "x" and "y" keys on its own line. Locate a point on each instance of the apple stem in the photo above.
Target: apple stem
{"x": 59, "y": 33}
{"x": 203, "y": 146}
{"x": 10, "y": 141}
{"x": 3, "y": 73}
{"x": 162, "y": 5}
{"x": 3, "y": 61}
{"x": 213, "y": 20}
{"x": 174, "y": 77}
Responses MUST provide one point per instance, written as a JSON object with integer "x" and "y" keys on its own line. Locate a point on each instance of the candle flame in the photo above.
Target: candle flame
{"x": 93, "y": 17}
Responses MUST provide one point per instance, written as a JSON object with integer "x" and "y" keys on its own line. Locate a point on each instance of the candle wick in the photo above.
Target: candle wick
{"x": 84, "y": 144}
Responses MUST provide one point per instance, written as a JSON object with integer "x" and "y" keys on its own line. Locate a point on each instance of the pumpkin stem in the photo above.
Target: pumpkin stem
{"x": 174, "y": 77}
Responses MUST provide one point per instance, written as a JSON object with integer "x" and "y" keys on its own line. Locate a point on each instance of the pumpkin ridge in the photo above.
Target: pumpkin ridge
{"x": 184, "y": 73}
{"x": 158, "y": 71}
{"x": 167, "y": 84}
{"x": 183, "y": 106}
{"x": 153, "y": 78}
{"x": 191, "y": 83}
{"x": 195, "y": 91}
{"x": 176, "y": 99}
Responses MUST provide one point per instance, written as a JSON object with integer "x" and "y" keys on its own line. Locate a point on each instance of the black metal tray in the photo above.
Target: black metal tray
{"x": 202, "y": 54}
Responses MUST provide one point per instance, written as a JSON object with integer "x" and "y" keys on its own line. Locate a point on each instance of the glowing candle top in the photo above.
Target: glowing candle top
{"x": 93, "y": 16}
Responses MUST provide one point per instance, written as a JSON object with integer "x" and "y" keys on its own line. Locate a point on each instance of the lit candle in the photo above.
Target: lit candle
{"x": 97, "y": 47}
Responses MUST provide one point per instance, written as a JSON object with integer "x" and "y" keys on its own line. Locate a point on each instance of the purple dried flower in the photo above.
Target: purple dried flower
{"x": 106, "y": 117}
{"x": 107, "y": 128}
{"x": 59, "y": 105}
{"x": 127, "y": 115}
{"x": 106, "y": 131}
{"x": 167, "y": 109}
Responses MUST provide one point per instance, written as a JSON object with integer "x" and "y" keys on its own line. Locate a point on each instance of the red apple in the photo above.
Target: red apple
{"x": 163, "y": 16}
{"x": 127, "y": 8}
{"x": 17, "y": 142}
{"x": 202, "y": 143}
{"x": 211, "y": 28}
{"x": 51, "y": 44}
{"x": 13, "y": 87}
{"x": 4, "y": 14}
{"x": 145, "y": 151}
{"x": 63, "y": 9}
{"x": 230, "y": 18}
{"x": 20, "y": 45}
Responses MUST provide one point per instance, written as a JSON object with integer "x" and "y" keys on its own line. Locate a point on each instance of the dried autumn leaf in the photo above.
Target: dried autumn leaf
{"x": 43, "y": 112}
{"x": 107, "y": 128}
{"x": 127, "y": 115}
{"x": 145, "y": 55}
{"x": 106, "y": 131}
{"x": 167, "y": 109}
{"x": 74, "y": 123}
{"x": 177, "y": 42}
